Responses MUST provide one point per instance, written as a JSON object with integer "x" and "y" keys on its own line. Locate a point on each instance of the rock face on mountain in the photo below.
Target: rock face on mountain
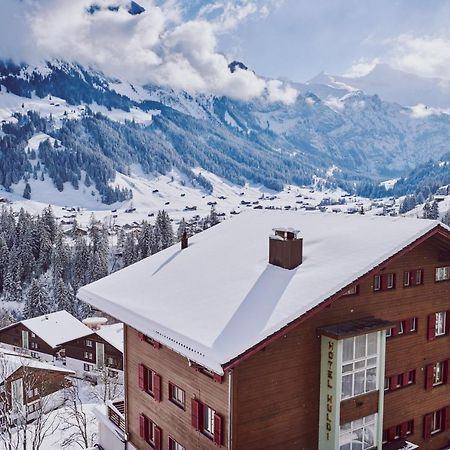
{"x": 360, "y": 136}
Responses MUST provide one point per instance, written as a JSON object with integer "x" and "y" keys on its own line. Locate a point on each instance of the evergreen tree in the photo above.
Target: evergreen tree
{"x": 163, "y": 228}
{"x": 434, "y": 211}
{"x": 27, "y": 191}
{"x": 182, "y": 227}
{"x": 213, "y": 217}
{"x": 37, "y": 300}
{"x": 426, "y": 211}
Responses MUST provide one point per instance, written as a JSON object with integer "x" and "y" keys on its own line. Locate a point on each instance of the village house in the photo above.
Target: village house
{"x": 61, "y": 339}
{"x": 29, "y": 387}
{"x": 329, "y": 332}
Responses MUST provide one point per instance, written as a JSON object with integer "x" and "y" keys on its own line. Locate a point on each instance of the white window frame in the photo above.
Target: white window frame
{"x": 359, "y": 365}
{"x": 377, "y": 283}
{"x": 176, "y": 445}
{"x": 440, "y": 327}
{"x": 419, "y": 274}
{"x": 390, "y": 283}
{"x": 442, "y": 273}
{"x": 438, "y": 374}
{"x": 358, "y": 428}
{"x": 436, "y": 422}
{"x": 208, "y": 420}
{"x": 407, "y": 279}
{"x": 177, "y": 395}
{"x": 89, "y": 343}
{"x": 413, "y": 325}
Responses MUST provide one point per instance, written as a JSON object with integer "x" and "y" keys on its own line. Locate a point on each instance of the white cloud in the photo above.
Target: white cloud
{"x": 423, "y": 55}
{"x": 361, "y": 68}
{"x": 159, "y": 45}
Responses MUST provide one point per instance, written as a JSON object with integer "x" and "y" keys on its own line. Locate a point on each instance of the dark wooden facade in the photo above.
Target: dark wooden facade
{"x": 12, "y": 335}
{"x": 76, "y": 349}
{"x": 273, "y": 395}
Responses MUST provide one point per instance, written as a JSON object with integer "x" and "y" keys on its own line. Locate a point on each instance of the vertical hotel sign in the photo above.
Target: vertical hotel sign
{"x": 329, "y": 408}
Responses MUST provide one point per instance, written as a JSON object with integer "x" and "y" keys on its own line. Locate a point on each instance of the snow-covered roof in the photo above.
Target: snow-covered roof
{"x": 11, "y": 361}
{"x": 113, "y": 334}
{"x": 57, "y": 328}
{"x": 219, "y": 297}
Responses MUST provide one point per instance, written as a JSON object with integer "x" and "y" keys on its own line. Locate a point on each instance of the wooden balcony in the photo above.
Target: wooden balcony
{"x": 116, "y": 413}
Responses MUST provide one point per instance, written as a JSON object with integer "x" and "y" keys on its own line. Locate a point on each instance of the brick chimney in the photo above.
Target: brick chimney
{"x": 285, "y": 248}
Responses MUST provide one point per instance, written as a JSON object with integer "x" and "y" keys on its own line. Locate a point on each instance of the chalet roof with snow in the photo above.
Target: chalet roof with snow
{"x": 57, "y": 328}
{"x": 220, "y": 297}
{"x": 11, "y": 361}
{"x": 113, "y": 334}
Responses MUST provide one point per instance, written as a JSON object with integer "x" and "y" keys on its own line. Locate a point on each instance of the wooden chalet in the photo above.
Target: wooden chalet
{"x": 252, "y": 337}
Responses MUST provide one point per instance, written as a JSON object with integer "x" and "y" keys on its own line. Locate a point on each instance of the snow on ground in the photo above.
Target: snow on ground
{"x": 176, "y": 195}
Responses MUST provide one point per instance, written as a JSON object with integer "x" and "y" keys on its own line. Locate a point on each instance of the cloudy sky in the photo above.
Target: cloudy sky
{"x": 188, "y": 43}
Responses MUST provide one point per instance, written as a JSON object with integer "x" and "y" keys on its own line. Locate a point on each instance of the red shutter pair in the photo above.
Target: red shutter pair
{"x": 143, "y": 431}
{"x": 144, "y": 338}
{"x": 143, "y": 384}
{"x": 197, "y": 421}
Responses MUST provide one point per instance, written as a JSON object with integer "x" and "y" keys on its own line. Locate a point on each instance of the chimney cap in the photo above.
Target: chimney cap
{"x": 285, "y": 233}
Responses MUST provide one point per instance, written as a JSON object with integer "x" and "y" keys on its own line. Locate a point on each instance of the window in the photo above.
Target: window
{"x": 88, "y": 343}
{"x": 413, "y": 278}
{"x": 87, "y": 367}
{"x": 150, "y": 382}
{"x": 113, "y": 373}
{"x": 34, "y": 345}
{"x": 377, "y": 283}
{"x": 33, "y": 335}
{"x": 401, "y": 430}
{"x": 409, "y": 427}
{"x": 149, "y": 340}
{"x": 111, "y": 361}
{"x": 30, "y": 393}
{"x": 207, "y": 421}
{"x": 389, "y": 332}
{"x": 359, "y": 365}
{"x": 411, "y": 377}
{"x": 440, "y": 323}
{"x": 150, "y": 432}
{"x": 438, "y": 373}
{"x": 400, "y": 327}
{"x": 177, "y": 395}
{"x": 384, "y": 282}
{"x": 399, "y": 382}
{"x": 387, "y": 383}
{"x": 359, "y": 434}
{"x": 413, "y": 324}
{"x": 442, "y": 273}
{"x": 88, "y": 355}
{"x": 34, "y": 355}
{"x": 390, "y": 281}
{"x": 403, "y": 327}
{"x": 174, "y": 445}
{"x": 352, "y": 291}
{"x": 436, "y": 422}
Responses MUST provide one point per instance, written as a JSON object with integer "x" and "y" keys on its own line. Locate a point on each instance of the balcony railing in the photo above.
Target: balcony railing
{"x": 116, "y": 413}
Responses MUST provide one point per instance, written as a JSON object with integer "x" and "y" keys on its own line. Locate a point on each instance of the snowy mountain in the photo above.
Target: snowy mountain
{"x": 80, "y": 128}
{"x": 392, "y": 85}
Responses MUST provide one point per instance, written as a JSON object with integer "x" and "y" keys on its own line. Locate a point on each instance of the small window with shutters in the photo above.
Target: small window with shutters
{"x": 440, "y": 327}
{"x": 436, "y": 422}
{"x": 174, "y": 445}
{"x": 438, "y": 373}
{"x": 150, "y": 432}
{"x": 413, "y": 278}
{"x": 150, "y": 382}
{"x": 207, "y": 421}
{"x": 177, "y": 395}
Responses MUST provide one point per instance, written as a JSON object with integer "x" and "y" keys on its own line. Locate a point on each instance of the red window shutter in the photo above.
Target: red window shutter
{"x": 171, "y": 446}
{"x": 157, "y": 387}
{"x": 412, "y": 278}
{"x": 446, "y": 422}
{"x": 427, "y": 423}
{"x": 142, "y": 382}
{"x": 196, "y": 414}
{"x": 384, "y": 280}
{"x": 447, "y": 371}
{"x": 429, "y": 377}
{"x": 141, "y": 336}
{"x": 217, "y": 430}
{"x": 158, "y": 440}
{"x": 143, "y": 427}
{"x": 394, "y": 330}
{"x": 156, "y": 344}
{"x": 404, "y": 427}
{"x": 391, "y": 434}
{"x": 447, "y": 322}
{"x": 431, "y": 327}
{"x": 393, "y": 383}
{"x": 405, "y": 379}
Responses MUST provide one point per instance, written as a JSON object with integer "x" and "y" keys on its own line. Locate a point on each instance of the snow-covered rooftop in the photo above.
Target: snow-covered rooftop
{"x": 11, "y": 361}
{"x": 219, "y": 297}
{"x": 57, "y": 328}
{"x": 113, "y": 334}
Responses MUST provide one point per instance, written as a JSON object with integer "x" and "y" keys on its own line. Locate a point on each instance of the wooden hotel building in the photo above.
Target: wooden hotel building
{"x": 332, "y": 332}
